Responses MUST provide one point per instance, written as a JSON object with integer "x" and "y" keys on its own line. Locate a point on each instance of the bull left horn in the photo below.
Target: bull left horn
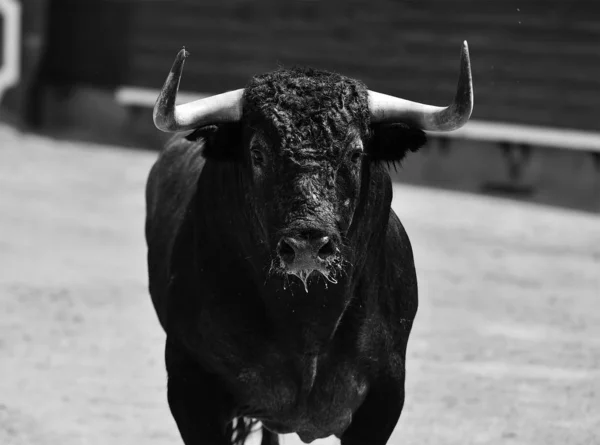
{"x": 168, "y": 117}
{"x": 390, "y": 109}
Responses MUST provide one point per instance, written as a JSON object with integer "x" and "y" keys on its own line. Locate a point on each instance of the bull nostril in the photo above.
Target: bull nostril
{"x": 303, "y": 252}
{"x": 327, "y": 250}
{"x": 286, "y": 252}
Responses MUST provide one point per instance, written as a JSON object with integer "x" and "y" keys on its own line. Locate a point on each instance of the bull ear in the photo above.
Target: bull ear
{"x": 391, "y": 142}
{"x": 223, "y": 142}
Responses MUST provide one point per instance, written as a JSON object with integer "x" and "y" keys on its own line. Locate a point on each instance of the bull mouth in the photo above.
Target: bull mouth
{"x": 305, "y": 274}
{"x": 309, "y": 270}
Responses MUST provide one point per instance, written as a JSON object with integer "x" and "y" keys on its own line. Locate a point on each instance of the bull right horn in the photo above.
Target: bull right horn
{"x": 390, "y": 109}
{"x": 168, "y": 117}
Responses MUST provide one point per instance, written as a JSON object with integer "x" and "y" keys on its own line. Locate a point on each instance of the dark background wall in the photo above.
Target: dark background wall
{"x": 534, "y": 61}
{"x": 89, "y": 42}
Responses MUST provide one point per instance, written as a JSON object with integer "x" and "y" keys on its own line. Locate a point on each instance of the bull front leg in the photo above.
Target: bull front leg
{"x": 375, "y": 420}
{"x": 199, "y": 404}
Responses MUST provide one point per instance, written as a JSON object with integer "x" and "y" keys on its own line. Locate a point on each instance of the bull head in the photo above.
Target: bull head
{"x": 310, "y": 131}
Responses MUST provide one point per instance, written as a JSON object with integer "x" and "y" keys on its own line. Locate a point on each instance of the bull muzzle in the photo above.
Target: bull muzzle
{"x": 307, "y": 252}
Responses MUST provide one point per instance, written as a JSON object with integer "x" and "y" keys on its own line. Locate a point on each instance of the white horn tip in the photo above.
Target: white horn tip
{"x": 183, "y": 54}
{"x": 465, "y": 49}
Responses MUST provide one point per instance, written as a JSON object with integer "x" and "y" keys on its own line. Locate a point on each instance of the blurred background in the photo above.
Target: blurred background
{"x": 504, "y": 214}
{"x": 94, "y": 67}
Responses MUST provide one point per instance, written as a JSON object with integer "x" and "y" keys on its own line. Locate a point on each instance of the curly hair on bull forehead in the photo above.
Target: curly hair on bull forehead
{"x": 305, "y": 108}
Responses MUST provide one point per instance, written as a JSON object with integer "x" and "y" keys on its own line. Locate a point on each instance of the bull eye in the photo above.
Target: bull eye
{"x": 257, "y": 157}
{"x": 355, "y": 156}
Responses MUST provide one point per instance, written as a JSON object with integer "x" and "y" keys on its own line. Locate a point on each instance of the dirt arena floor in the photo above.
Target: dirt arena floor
{"x": 505, "y": 350}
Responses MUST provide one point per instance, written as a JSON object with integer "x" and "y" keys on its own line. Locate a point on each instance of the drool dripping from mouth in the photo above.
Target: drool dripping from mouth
{"x": 305, "y": 274}
{"x": 328, "y": 270}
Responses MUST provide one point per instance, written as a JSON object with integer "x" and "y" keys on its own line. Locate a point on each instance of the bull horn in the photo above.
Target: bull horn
{"x": 389, "y": 109}
{"x": 168, "y": 117}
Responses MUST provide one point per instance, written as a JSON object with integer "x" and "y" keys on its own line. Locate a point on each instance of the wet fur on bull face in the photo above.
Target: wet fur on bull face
{"x": 306, "y": 135}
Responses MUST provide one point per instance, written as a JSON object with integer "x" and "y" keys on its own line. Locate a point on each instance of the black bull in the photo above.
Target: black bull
{"x": 284, "y": 281}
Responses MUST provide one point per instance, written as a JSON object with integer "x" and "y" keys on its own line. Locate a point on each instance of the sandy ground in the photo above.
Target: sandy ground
{"x": 505, "y": 350}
